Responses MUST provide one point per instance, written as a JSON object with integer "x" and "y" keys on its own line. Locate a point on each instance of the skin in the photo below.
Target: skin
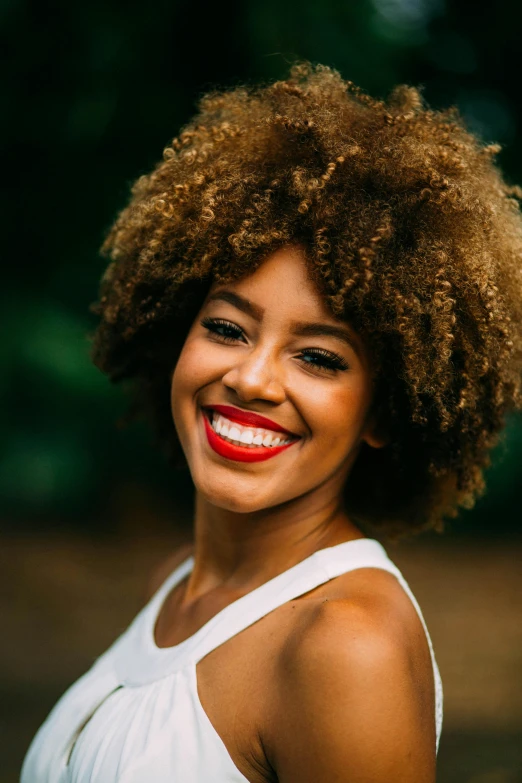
{"x": 336, "y": 685}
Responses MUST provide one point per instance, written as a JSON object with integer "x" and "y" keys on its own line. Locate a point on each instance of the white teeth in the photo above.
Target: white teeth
{"x": 234, "y": 433}
{"x": 246, "y": 436}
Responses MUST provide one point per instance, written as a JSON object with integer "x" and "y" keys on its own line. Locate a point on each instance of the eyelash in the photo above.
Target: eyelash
{"x": 331, "y": 361}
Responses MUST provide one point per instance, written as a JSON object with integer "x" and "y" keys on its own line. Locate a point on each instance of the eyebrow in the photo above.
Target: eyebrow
{"x": 307, "y": 329}
{"x": 299, "y": 328}
{"x": 245, "y": 305}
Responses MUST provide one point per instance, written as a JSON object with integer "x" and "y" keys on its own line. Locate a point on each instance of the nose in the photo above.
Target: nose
{"x": 256, "y": 377}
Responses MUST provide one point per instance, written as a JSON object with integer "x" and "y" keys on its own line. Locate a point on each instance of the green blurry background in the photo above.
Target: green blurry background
{"x": 91, "y": 93}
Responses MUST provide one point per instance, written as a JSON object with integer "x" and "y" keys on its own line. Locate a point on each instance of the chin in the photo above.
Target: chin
{"x": 237, "y": 497}
{"x": 234, "y": 503}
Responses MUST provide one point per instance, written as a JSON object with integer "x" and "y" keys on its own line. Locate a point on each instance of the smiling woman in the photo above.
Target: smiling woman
{"x": 318, "y": 299}
{"x": 269, "y": 352}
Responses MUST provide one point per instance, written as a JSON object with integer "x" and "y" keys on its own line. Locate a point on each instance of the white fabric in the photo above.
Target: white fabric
{"x": 144, "y": 718}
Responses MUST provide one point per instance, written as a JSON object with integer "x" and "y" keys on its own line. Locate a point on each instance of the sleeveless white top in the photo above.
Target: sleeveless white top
{"x": 135, "y": 716}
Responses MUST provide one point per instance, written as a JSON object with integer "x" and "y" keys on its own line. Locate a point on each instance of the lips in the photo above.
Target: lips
{"x": 237, "y": 452}
{"x": 249, "y": 419}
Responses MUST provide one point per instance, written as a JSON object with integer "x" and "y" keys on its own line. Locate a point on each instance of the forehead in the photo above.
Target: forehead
{"x": 281, "y": 281}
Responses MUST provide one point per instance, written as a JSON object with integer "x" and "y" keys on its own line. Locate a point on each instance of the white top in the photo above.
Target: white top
{"x": 135, "y": 716}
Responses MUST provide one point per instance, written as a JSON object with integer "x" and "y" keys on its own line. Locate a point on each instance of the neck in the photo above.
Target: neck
{"x": 243, "y": 550}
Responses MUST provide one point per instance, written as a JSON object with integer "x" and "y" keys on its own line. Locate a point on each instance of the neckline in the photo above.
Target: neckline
{"x": 185, "y": 569}
{"x": 140, "y": 661}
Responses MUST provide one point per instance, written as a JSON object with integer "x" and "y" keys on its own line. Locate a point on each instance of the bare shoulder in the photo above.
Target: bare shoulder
{"x": 166, "y": 567}
{"x": 362, "y": 614}
{"x": 355, "y": 687}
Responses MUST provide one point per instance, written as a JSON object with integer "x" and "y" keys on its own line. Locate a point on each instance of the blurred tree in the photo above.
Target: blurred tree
{"x": 91, "y": 95}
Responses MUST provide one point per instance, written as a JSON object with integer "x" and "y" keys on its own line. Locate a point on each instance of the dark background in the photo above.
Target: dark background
{"x": 91, "y": 93}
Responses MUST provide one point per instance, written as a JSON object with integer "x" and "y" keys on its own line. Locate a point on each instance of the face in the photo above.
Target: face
{"x": 267, "y": 346}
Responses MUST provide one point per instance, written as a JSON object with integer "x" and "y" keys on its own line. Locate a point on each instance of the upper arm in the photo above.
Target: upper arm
{"x": 352, "y": 707}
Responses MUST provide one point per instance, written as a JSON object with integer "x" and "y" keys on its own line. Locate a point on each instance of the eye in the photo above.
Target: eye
{"x": 323, "y": 361}
{"x": 226, "y": 331}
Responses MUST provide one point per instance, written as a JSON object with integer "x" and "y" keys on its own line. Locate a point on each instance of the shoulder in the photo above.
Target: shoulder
{"x": 165, "y": 567}
{"x": 355, "y": 687}
{"x": 365, "y": 622}
{"x": 363, "y": 616}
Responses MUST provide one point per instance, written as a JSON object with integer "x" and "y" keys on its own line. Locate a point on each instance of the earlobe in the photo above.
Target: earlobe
{"x": 375, "y": 436}
{"x": 375, "y": 441}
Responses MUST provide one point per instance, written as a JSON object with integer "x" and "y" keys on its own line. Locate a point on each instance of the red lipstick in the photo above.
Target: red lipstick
{"x": 240, "y": 453}
{"x": 248, "y": 418}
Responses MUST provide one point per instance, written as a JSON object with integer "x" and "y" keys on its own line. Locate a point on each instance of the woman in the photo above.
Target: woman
{"x": 317, "y": 297}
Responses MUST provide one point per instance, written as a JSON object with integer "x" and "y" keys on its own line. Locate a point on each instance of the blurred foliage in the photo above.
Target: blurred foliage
{"x": 91, "y": 94}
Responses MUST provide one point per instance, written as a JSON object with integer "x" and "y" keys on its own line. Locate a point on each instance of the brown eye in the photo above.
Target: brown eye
{"x": 323, "y": 360}
{"x": 227, "y": 331}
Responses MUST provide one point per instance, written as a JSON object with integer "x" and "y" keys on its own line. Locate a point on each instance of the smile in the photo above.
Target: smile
{"x": 242, "y": 443}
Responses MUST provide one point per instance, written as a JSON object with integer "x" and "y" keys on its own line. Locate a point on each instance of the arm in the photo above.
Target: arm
{"x": 356, "y": 703}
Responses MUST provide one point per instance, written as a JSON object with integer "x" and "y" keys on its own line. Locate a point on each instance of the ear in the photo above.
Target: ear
{"x": 375, "y": 435}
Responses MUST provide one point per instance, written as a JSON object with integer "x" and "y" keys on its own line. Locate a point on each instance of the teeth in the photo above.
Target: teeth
{"x": 234, "y": 433}
{"x": 246, "y": 436}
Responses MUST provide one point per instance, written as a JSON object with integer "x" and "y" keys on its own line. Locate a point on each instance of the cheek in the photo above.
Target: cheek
{"x": 337, "y": 416}
{"x": 195, "y": 367}
{"x": 198, "y": 366}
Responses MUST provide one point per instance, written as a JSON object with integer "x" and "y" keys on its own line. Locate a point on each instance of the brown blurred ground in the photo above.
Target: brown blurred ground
{"x": 64, "y": 600}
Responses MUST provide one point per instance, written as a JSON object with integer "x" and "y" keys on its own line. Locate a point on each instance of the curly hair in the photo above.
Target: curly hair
{"x": 410, "y": 233}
